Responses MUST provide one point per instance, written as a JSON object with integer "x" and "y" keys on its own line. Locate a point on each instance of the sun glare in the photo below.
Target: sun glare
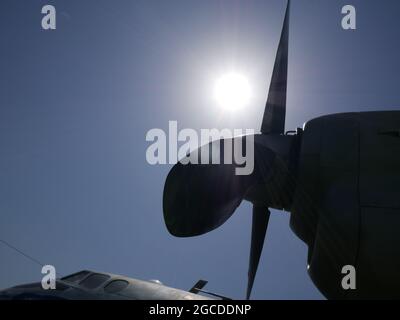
{"x": 232, "y": 91}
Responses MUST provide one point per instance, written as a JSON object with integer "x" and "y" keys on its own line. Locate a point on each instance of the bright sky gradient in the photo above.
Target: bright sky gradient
{"x": 76, "y": 104}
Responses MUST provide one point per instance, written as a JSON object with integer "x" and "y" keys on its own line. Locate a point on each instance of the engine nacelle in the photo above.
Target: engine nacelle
{"x": 346, "y": 205}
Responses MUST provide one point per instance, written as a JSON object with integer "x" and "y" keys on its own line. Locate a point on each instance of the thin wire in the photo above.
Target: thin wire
{"x": 22, "y": 253}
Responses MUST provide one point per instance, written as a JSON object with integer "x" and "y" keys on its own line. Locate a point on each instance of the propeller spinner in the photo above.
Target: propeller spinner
{"x": 201, "y": 197}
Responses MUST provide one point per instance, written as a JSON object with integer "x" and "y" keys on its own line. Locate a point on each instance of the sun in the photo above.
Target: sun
{"x": 232, "y": 91}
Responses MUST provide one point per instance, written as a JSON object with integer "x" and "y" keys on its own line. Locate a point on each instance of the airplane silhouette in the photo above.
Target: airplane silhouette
{"x": 338, "y": 176}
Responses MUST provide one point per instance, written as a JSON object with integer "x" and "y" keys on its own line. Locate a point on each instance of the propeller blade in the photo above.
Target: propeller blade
{"x": 259, "y": 228}
{"x": 275, "y": 109}
{"x": 199, "y": 198}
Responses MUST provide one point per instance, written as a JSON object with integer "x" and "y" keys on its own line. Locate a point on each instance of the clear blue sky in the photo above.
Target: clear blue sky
{"x": 76, "y": 103}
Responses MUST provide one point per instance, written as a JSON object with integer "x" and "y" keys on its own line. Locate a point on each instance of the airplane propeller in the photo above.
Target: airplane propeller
{"x": 259, "y": 228}
{"x": 199, "y": 198}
